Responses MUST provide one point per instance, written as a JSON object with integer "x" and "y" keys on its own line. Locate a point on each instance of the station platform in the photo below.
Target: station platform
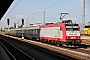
{"x": 3, "y": 55}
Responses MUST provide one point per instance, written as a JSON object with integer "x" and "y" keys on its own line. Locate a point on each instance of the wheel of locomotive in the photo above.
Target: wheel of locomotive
{"x": 49, "y": 41}
{"x": 63, "y": 44}
{"x": 52, "y": 42}
{"x": 77, "y": 43}
{"x": 43, "y": 41}
{"x": 57, "y": 43}
{"x": 40, "y": 40}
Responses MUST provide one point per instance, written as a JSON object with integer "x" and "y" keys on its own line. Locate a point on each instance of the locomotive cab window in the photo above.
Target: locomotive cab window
{"x": 72, "y": 27}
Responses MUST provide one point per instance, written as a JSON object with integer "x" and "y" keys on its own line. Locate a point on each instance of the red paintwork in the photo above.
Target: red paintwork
{"x": 62, "y": 25}
{"x": 54, "y": 39}
{"x": 73, "y": 37}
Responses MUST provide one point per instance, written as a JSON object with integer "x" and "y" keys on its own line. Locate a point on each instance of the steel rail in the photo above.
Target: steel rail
{"x": 18, "y": 50}
{"x": 11, "y": 55}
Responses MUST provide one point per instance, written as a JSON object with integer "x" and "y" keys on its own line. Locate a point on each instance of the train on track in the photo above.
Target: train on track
{"x": 61, "y": 33}
{"x": 87, "y": 30}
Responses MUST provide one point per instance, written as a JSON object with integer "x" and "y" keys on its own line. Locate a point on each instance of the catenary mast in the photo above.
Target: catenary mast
{"x": 83, "y": 15}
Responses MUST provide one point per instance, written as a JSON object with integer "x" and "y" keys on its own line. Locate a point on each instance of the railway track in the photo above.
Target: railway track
{"x": 31, "y": 51}
{"x": 13, "y": 52}
{"x": 83, "y": 48}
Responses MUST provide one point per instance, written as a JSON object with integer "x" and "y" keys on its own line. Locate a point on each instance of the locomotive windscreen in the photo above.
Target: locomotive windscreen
{"x": 71, "y": 27}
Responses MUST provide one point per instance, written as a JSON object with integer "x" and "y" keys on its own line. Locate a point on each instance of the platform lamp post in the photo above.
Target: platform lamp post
{"x": 22, "y": 29}
{"x": 8, "y": 21}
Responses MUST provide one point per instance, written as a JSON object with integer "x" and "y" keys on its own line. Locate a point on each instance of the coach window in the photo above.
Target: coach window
{"x": 18, "y": 31}
{"x": 36, "y": 31}
{"x": 33, "y": 31}
{"x": 60, "y": 28}
{"x": 25, "y": 31}
{"x": 29, "y": 31}
{"x": 21, "y": 31}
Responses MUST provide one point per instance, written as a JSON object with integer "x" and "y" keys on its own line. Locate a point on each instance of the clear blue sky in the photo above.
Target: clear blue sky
{"x": 33, "y": 10}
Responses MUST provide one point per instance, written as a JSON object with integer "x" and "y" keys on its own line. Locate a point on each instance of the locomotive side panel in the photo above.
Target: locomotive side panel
{"x": 51, "y": 32}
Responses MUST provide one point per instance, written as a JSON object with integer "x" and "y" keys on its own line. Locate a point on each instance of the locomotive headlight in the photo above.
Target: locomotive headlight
{"x": 67, "y": 37}
{"x": 78, "y": 37}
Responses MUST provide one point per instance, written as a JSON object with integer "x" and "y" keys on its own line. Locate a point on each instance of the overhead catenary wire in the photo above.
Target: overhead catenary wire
{"x": 48, "y": 7}
{"x": 13, "y": 7}
{"x": 42, "y": 9}
{"x": 44, "y": 1}
{"x": 40, "y": 5}
{"x": 73, "y": 11}
{"x": 54, "y": 4}
{"x": 70, "y": 12}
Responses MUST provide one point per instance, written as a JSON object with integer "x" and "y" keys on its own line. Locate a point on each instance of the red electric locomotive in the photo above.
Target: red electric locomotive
{"x": 62, "y": 33}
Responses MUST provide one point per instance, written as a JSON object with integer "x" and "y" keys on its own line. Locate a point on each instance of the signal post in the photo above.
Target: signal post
{"x": 22, "y": 29}
{"x": 8, "y": 21}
